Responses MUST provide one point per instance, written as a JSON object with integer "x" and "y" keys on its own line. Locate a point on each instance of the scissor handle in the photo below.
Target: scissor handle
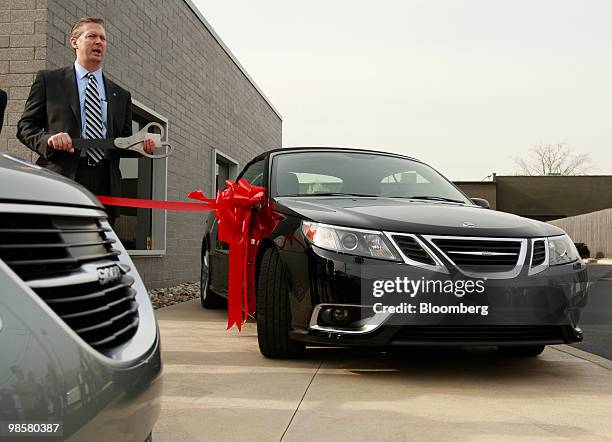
{"x": 145, "y": 129}
{"x": 158, "y": 157}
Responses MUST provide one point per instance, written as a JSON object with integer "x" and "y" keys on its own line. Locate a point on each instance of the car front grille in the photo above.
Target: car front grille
{"x": 66, "y": 260}
{"x": 473, "y": 252}
{"x": 35, "y": 246}
{"x": 480, "y": 333}
{"x": 412, "y": 249}
{"x": 539, "y": 252}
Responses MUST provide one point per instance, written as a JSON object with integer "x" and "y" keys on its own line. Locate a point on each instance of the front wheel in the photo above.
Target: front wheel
{"x": 527, "y": 351}
{"x": 274, "y": 311}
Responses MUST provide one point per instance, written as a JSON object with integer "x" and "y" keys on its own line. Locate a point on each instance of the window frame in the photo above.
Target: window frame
{"x": 159, "y": 190}
{"x": 233, "y": 175}
{"x": 233, "y": 168}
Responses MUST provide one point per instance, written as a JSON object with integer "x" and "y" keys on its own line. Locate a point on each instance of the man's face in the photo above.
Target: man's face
{"x": 91, "y": 45}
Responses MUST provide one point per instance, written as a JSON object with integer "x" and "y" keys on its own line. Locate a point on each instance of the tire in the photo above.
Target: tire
{"x": 273, "y": 311}
{"x": 526, "y": 351}
{"x": 210, "y": 300}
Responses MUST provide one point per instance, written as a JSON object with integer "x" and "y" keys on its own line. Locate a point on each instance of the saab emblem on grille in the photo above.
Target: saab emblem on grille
{"x": 109, "y": 274}
{"x": 468, "y": 224}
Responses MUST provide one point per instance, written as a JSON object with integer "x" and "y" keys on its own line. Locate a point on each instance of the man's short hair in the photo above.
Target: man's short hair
{"x": 76, "y": 30}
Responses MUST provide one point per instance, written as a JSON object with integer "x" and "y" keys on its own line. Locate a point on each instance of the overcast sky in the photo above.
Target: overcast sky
{"x": 465, "y": 86}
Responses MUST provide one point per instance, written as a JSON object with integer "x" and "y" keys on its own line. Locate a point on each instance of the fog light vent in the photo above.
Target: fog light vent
{"x": 335, "y": 316}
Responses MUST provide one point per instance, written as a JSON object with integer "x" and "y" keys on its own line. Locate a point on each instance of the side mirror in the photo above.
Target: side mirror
{"x": 481, "y": 202}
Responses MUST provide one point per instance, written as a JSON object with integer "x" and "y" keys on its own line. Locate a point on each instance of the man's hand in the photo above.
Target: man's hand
{"x": 149, "y": 145}
{"x": 61, "y": 141}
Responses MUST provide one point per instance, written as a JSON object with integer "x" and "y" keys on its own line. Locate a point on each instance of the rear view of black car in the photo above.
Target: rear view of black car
{"x": 376, "y": 249}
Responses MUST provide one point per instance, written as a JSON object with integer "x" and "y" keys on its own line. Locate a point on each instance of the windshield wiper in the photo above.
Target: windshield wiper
{"x": 343, "y": 194}
{"x": 435, "y": 198}
{"x": 333, "y": 194}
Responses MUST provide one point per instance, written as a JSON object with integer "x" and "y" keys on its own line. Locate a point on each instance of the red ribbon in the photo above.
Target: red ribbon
{"x": 239, "y": 226}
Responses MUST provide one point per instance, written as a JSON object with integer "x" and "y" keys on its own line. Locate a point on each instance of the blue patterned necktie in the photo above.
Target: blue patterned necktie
{"x": 93, "y": 118}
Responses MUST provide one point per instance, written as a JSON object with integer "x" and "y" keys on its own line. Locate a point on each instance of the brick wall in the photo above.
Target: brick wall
{"x": 23, "y": 42}
{"x": 162, "y": 53}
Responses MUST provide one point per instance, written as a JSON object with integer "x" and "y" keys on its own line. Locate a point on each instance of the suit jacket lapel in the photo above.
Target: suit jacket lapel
{"x": 112, "y": 103}
{"x": 72, "y": 93}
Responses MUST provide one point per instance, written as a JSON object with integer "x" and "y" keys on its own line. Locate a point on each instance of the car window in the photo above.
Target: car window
{"x": 310, "y": 183}
{"x": 360, "y": 174}
{"x": 254, "y": 174}
{"x": 407, "y": 182}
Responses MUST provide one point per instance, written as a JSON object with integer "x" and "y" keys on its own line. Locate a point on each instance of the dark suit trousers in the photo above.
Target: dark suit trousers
{"x": 96, "y": 179}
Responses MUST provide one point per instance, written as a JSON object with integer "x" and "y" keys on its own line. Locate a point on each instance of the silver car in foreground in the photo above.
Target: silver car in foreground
{"x": 79, "y": 343}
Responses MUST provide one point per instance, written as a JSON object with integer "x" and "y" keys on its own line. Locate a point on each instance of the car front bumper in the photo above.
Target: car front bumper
{"x": 531, "y": 310}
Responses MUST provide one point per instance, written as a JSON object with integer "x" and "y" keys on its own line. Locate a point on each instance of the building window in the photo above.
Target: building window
{"x": 224, "y": 168}
{"x": 143, "y": 231}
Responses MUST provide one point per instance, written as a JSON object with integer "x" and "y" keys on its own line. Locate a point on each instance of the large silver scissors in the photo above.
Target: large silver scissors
{"x": 136, "y": 141}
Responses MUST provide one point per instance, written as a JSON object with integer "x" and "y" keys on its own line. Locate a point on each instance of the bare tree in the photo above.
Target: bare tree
{"x": 557, "y": 159}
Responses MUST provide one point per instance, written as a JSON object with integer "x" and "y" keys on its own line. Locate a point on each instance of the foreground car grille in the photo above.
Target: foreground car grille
{"x": 60, "y": 258}
{"x": 40, "y": 245}
{"x": 480, "y": 333}
{"x": 472, "y": 252}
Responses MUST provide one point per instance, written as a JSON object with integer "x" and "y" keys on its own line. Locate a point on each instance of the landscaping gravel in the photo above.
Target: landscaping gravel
{"x": 173, "y": 295}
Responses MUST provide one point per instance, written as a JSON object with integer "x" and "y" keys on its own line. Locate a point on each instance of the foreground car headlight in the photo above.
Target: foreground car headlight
{"x": 561, "y": 250}
{"x": 368, "y": 243}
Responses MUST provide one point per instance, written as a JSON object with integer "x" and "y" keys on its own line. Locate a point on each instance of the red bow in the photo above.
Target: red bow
{"x": 243, "y": 229}
{"x": 239, "y": 225}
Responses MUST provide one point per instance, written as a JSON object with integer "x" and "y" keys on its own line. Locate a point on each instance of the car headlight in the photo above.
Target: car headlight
{"x": 368, "y": 243}
{"x": 561, "y": 250}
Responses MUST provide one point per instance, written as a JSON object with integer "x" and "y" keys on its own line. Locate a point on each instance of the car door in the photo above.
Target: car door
{"x": 255, "y": 174}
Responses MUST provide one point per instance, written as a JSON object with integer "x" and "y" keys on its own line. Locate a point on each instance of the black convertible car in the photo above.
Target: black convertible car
{"x": 379, "y": 249}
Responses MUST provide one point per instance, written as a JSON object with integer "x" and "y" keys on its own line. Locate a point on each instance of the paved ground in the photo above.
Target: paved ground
{"x": 217, "y": 387}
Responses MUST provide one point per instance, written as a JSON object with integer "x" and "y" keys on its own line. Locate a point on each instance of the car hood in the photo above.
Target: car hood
{"x": 24, "y": 182}
{"x": 410, "y": 216}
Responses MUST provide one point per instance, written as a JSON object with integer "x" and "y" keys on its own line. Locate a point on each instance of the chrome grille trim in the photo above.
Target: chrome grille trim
{"x": 133, "y": 325}
{"x": 51, "y": 261}
{"x": 86, "y": 273}
{"x": 369, "y": 326}
{"x": 512, "y": 273}
{"x": 437, "y": 267}
{"x": 39, "y": 209}
{"x": 108, "y": 322}
{"x": 534, "y": 269}
{"x": 97, "y": 294}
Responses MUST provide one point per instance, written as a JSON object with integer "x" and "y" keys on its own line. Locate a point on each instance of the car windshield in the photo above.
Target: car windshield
{"x": 359, "y": 175}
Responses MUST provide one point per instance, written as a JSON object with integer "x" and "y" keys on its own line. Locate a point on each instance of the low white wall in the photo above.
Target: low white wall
{"x": 594, "y": 229}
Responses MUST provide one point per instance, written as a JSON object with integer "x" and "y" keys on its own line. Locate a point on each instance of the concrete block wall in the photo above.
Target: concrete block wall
{"x": 166, "y": 57}
{"x": 23, "y": 44}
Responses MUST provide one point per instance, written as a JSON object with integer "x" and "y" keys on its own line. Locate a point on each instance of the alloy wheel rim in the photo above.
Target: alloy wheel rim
{"x": 205, "y": 275}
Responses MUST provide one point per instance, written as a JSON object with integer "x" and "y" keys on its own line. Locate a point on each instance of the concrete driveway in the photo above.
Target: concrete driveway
{"x": 217, "y": 387}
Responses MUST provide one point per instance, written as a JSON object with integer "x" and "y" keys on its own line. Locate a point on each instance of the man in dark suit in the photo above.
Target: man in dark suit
{"x": 78, "y": 101}
{"x": 3, "y": 101}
